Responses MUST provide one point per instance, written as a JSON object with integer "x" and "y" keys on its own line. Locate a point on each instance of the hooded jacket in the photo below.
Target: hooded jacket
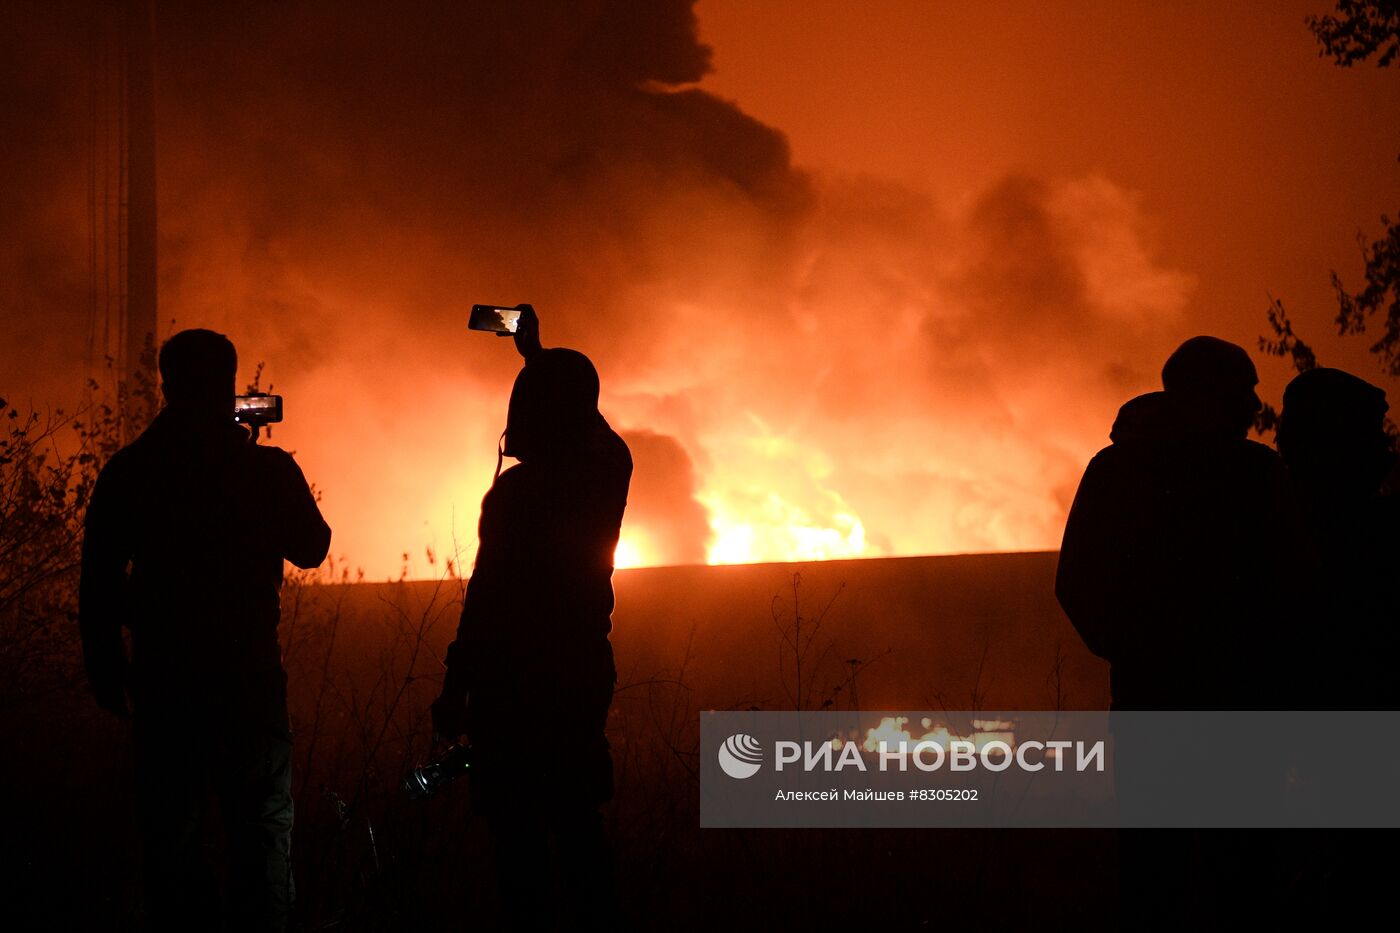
{"x": 1332, "y": 437}
{"x": 1174, "y": 558}
{"x": 532, "y": 644}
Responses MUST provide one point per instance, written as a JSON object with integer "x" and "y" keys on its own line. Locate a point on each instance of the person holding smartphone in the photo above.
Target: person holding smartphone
{"x": 530, "y": 675}
{"x": 186, "y": 533}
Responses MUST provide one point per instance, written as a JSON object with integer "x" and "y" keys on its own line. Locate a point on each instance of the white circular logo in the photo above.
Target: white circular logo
{"x": 740, "y": 756}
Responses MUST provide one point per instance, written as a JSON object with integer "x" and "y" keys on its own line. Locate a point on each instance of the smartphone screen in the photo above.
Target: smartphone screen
{"x": 264, "y": 409}
{"x": 494, "y": 318}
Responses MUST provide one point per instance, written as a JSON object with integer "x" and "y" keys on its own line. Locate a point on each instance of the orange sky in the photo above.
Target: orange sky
{"x": 1257, "y": 161}
{"x": 874, "y": 284}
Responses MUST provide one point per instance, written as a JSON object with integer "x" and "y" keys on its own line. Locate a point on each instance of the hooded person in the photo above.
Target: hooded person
{"x": 530, "y": 674}
{"x": 1175, "y": 534}
{"x": 1333, "y": 439}
{"x": 1172, "y": 569}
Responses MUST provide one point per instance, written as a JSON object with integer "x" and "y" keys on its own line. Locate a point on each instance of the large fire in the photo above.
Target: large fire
{"x": 629, "y": 553}
{"x": 893, "y": 731}
{"x": 807, "y": 366}
{"x": 751, "y": 523}
{"x": 767, "y": 527}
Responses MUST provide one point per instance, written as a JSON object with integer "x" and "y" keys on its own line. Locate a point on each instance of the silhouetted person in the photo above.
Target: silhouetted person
{"x": 1171, "y": 569}
{"x": 187, "y": 530}
{"x": 1332, "y": 436}
{"x": 530, "y": 675}
{"x": 1333, "y": 439}
{"x": 1175, "y": 533}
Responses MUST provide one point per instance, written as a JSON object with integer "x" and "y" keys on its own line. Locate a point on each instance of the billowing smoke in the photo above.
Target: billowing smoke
{"x": 805, "y": 366}
{"x": 666, "y": 524}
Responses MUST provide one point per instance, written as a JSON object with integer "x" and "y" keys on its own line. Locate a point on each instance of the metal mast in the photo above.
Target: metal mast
{"x": 140, "y": 192}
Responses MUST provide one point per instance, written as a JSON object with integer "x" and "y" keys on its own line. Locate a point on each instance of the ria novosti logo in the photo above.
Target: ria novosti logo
{"x": 740, "y": 756}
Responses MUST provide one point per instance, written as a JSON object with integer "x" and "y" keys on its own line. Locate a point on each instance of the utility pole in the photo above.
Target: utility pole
{"x": 140, "y": 296}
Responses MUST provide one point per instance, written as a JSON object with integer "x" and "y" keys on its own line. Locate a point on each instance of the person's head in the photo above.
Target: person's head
{"x": 553, "y": 406}
{"x": 1332, "y": 432}
{"x": 198, "y": 369}
{"x": 1214, "y": 380}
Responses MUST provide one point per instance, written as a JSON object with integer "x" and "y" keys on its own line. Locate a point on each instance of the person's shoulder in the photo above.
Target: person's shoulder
{"x": 1113, "y": 467}
{"x": 1109, "y": 454}
{"x": 612, "y": 449}
{"x": 618, "y": 451}
{"x": 276, "y": 464}
{"x": 123, "y": 463}
{"x": 125, "y": 457}
{"x": 511, "y": 477}
{"x": 512, "y": 483}
{"x": 266, "y": 453}
{"x": 266, "y": 457}
{"x": 1115, "y": 457}
{"x": 509, "y": 494}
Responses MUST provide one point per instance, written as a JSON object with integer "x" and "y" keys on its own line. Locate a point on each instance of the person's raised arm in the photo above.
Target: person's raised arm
{"x": 527, "y": 332}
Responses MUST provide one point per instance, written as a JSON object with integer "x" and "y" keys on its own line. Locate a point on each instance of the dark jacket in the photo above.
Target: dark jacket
{"x": 1174, "y": 561}
{"x": 533, "y": 637}
{"x": 1332, "y": 437}
{"x": 185, "y": 537}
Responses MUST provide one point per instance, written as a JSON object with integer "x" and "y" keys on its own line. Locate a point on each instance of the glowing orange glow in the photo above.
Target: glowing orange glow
{"x": 893, "y": 732}
{"x": 769, "y": 500}
{"x": 890, "y": 731}
{"x": 629, "y": 553}
{"x": 881, "y": 303}
{"x": 779, "y": 531}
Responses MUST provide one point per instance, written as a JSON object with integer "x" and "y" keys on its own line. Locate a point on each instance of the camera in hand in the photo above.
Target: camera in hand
{"x": 428, "y": 779}
{"x": 500, "y": 320}
{"x": 257, "y": 410}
